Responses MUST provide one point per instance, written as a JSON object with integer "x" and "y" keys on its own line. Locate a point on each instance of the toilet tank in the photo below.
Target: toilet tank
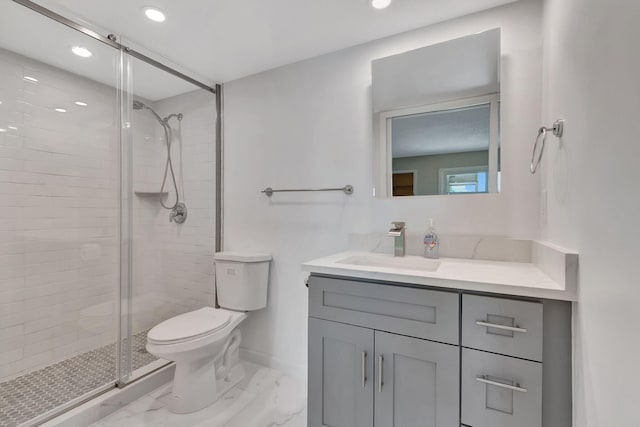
{"x": 242, "y": 280}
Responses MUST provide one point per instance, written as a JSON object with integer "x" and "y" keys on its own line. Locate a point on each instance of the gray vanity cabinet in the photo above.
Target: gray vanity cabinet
{"x": 385, "y": 355}
{"x": 416, "y": 382}
{"x": 340, "y": 375}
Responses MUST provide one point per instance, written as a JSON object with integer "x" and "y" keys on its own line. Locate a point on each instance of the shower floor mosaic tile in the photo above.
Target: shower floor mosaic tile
{"x": 30, "y": 395}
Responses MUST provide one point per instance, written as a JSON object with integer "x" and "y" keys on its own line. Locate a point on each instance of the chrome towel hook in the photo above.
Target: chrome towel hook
{"x": 557, "y": 130}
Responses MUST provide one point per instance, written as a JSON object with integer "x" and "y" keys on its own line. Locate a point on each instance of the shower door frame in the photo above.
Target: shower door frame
{"x": 123, "y": 374}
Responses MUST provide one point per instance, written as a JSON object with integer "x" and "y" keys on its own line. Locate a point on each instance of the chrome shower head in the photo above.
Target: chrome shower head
{"x": 139, "y": 105}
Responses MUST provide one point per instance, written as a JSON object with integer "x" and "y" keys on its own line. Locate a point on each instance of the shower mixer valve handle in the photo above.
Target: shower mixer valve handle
{"x": 178, "y": 213}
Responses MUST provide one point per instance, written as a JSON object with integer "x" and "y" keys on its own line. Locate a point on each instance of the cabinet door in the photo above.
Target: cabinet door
{"x": 340, "y": 375}
{"x": 417, "y": 382}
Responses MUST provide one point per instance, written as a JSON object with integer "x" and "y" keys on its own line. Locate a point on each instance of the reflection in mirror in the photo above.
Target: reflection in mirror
{"x": 436, "y": 118}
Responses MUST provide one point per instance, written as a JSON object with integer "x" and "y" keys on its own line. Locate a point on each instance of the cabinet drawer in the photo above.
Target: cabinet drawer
{"x": 500, "y": 391}
{"x": 518, "y": 330}
{"x": 420, "y": 313}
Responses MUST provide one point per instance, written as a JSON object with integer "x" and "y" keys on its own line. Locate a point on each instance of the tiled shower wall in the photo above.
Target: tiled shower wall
{"x": 187, "y": 251}
{"x": 59, "y": 189}
{"x": 59, "y": 198}
{"x": 173, "y": 264}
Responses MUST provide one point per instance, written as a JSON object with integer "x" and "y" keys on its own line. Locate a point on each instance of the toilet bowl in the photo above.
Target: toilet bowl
{"x": 205, "y": 343}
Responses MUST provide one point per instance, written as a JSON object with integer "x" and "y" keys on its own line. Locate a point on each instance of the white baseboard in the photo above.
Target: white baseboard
{"x": 297, "y": 372}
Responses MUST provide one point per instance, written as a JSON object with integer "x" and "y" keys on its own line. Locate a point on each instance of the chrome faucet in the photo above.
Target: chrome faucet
{"x": 397, "y": 232}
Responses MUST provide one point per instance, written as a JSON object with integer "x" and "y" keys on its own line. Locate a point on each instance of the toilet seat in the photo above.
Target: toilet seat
{"x": 189, "y": 326}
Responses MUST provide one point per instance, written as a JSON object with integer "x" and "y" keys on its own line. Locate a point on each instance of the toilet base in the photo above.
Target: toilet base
{"x": 201, "y": 395}
{"x": 206, "y": 367}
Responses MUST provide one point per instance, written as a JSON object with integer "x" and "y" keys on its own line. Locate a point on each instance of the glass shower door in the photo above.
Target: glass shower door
{"x": 170, "y": 205}
{"x": 60, "y": 197}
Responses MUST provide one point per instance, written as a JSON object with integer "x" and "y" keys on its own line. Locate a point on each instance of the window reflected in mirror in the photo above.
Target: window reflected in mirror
{"x": 442, "y": 151}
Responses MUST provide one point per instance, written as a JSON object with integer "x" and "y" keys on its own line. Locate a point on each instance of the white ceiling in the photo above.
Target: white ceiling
{"x": 222, "y": 40}
{"x": 465, "y": 67}
{"x": 48, "y": 42}
{"x": 457, "y": 69}
{"x": 442, "y": 132}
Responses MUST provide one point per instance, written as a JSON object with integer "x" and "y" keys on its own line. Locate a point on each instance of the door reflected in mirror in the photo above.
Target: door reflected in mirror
{"x": 437, "y": 118}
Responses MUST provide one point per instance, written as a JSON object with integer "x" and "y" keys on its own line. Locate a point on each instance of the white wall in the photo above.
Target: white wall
{"x": 592, "y": 69}
{"x": 309, "y": 125}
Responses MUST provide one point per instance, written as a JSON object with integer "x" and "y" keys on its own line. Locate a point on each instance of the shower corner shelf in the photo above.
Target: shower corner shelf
{"x": 151, "y": 193}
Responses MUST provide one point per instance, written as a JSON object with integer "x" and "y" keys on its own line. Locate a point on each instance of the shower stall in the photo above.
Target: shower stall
{"x": 109, "y": 186}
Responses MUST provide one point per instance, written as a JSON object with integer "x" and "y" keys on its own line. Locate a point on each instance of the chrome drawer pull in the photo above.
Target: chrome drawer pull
{"x": 503, "y": 327}
{"x": 364, "y": 369}
{"x": 483, "y": 379}
{"x": 380, "y": 362}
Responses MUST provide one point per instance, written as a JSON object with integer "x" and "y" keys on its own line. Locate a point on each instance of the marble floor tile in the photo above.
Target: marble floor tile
{"x": 257, "y": 378}
{"x": 264, "y": 398}
{"x": 281, "y": 404}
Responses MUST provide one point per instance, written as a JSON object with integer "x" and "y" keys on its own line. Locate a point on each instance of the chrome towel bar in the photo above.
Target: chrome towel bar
{"x": 557, "y": 129}
{"x": 347, "y": 189}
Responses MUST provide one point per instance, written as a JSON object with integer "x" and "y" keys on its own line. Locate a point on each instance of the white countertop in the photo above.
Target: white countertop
{"x": 511, "y": 278}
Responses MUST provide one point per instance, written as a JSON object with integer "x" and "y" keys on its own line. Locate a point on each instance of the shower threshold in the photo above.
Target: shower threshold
{"x": 28, "y": 396}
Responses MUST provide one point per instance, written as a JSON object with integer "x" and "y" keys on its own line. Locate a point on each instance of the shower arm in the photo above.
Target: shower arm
{"x": 178, "y": 116}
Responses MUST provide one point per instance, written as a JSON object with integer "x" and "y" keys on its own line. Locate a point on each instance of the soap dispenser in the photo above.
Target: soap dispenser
{"x": 431, "y": 242}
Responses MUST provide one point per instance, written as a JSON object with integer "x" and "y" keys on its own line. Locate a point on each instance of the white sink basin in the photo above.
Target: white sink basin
{"x": 406, "y": 263}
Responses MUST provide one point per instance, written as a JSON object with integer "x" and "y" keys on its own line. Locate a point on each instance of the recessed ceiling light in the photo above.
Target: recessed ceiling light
{"x": 154, "y": 14}
{"x": 82, "y": 52}
{"x": 12, "y": 127}
{"x": 61, "y": 110}
{"x": 380, "y": 4}
{"x": 30, "y": 79}
{"x": 82, "y": 104}
{"x": 2, "y": 130}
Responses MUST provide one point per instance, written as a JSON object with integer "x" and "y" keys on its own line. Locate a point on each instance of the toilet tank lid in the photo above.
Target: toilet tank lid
{"x": 242, "y": 257}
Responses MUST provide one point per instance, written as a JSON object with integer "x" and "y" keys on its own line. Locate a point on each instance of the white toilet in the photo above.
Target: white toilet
{"x": 205, "y": 343}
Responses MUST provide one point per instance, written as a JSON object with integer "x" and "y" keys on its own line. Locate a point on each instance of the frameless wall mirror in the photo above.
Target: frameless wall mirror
{"x": 436, "y": 115}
